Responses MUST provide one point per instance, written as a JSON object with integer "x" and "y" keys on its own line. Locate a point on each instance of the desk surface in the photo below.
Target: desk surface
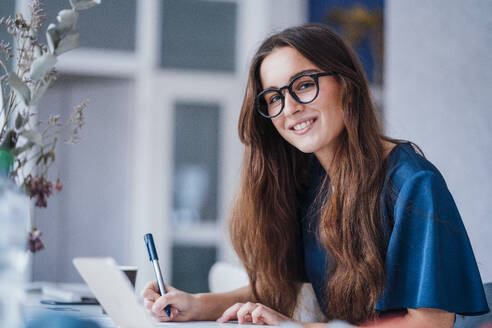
{"x": 34, "y": 308}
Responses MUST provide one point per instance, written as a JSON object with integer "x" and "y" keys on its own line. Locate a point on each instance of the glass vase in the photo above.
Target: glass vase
{"x": 14, "y": 219}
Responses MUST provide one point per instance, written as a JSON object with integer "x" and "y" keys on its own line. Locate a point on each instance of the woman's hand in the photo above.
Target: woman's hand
{"x": 184, "y": 306}
{"x": 253, "y": 313}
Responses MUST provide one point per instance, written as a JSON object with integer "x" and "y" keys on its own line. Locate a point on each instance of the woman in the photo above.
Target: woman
{"x": 366, "y": 219}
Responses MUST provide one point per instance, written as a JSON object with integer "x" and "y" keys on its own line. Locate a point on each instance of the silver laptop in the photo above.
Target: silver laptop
{"x": 115, "y": 293}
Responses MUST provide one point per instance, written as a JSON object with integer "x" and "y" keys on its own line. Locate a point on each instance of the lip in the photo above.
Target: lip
{"x": 291, "y": 126}
{"x": 306, "y": 129}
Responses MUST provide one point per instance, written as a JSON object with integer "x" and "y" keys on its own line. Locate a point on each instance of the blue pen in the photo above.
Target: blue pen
{"x": 149, "y": 241}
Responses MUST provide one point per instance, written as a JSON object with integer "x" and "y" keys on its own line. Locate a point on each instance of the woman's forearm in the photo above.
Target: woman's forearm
{"x": 421, "y": 318}
{"x": 212, "y": 305}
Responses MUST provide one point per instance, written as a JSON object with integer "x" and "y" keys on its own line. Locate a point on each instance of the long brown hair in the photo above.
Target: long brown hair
{"x": 265, "y": 227}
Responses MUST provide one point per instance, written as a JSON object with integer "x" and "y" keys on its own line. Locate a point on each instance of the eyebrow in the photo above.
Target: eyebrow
{"x": 306, "y": 71}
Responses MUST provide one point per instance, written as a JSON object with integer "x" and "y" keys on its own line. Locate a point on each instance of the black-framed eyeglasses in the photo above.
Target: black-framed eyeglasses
{"x": 303, "y": 88}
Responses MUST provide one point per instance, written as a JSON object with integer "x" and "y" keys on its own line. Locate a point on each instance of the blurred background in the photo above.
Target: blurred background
{"x": 165, "y": 81}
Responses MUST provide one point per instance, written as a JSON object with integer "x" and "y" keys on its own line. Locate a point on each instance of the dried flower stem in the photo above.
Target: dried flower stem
{"x": 34, "y": 72}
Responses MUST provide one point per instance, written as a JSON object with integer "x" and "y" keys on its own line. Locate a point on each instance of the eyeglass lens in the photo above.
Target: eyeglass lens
{"x": 303, "y": 89}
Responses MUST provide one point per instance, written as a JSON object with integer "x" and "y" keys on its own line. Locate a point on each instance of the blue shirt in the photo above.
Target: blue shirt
{"x": 429, "y": 261}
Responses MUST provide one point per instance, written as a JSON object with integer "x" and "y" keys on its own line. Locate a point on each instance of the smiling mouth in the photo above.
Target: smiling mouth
{"x": 303, "y": 125}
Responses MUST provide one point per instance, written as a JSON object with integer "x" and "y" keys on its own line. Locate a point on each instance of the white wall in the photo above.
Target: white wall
{"x": 438, "y": 83}
{"x": 90, "y": 216}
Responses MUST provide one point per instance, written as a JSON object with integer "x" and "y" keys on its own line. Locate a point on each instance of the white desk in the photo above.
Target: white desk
{"x": 34, "y": 308}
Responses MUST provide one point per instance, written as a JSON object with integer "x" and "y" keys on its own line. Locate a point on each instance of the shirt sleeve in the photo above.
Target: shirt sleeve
{"x": 429, "y": 259}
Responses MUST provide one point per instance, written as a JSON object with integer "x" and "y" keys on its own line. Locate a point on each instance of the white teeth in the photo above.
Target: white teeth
{"x": 302, "y": 125}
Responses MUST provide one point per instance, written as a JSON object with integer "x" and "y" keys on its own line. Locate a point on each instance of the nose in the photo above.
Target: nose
{"x": 291, "y": 106}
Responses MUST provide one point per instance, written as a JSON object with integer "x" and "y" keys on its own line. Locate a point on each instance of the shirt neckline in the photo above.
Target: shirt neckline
{"x": 393, "y": 151}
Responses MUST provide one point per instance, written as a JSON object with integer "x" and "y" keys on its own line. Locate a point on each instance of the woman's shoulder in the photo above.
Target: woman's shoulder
{"x": 406, "y": 162}
{"x": 429, "y": 261}
{"x": 414, "y": 188}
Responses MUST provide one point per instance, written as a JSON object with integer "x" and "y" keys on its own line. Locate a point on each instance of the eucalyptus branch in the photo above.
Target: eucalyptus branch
{"x": 34, "y": 151}
{"x": 40, "y": 152}
{"x": 10, "y": 108}
{"x": 4, "y": 67}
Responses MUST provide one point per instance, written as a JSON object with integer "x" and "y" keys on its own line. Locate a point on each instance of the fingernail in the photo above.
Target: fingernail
{"x": 219, "y": 320}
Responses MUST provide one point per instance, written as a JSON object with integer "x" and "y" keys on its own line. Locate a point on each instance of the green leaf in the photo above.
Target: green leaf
{"x": 38, "y": 52}
{"x": 67, "y": 19}
{"x": 84, "y": 4}
{"x": 19, "y": 121}
{"x": 53, "y": 38}
{"x": 28, "y": 145}
{"x": 42, "y": 65}
{"x": 39, "y": 93}
{"x": 33, "y": 136}
{"x": 1, "y": 97}
{"x": 9, "y": 140}
{"x": 20, "y": 88}
{"x": 70, "y": 41}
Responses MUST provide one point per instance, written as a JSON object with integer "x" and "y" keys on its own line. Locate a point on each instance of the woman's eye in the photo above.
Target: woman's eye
{"x": 274, "y": 100}
{"x": 305, "y": 85}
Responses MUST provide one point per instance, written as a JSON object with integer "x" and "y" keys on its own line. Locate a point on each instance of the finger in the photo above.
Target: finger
{"x": 265, "y": 315}
{"x": 163, "y": 316}
{"x": 258, "y": 315}
{"x": 175, "y": 316}
{"x": 160, "y": 304}
{"x": 170, "y": 288}
{"x": 152, "y": 285}
{"x": 148, "y": 304}
{"x": 247, "y": 318}
{"x": 230, "y": 313}
{"x": 160, "y": 318}
{"x": 150, "y": 295}
{"x": 150, "y": 291}
{"x": 245, "y": 311}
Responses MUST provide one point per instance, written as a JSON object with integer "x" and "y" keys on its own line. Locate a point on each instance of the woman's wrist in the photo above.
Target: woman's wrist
{"x": 199, "y": 305}
{"x": 207, "y": 306}
{"x": 210, "y": 306}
